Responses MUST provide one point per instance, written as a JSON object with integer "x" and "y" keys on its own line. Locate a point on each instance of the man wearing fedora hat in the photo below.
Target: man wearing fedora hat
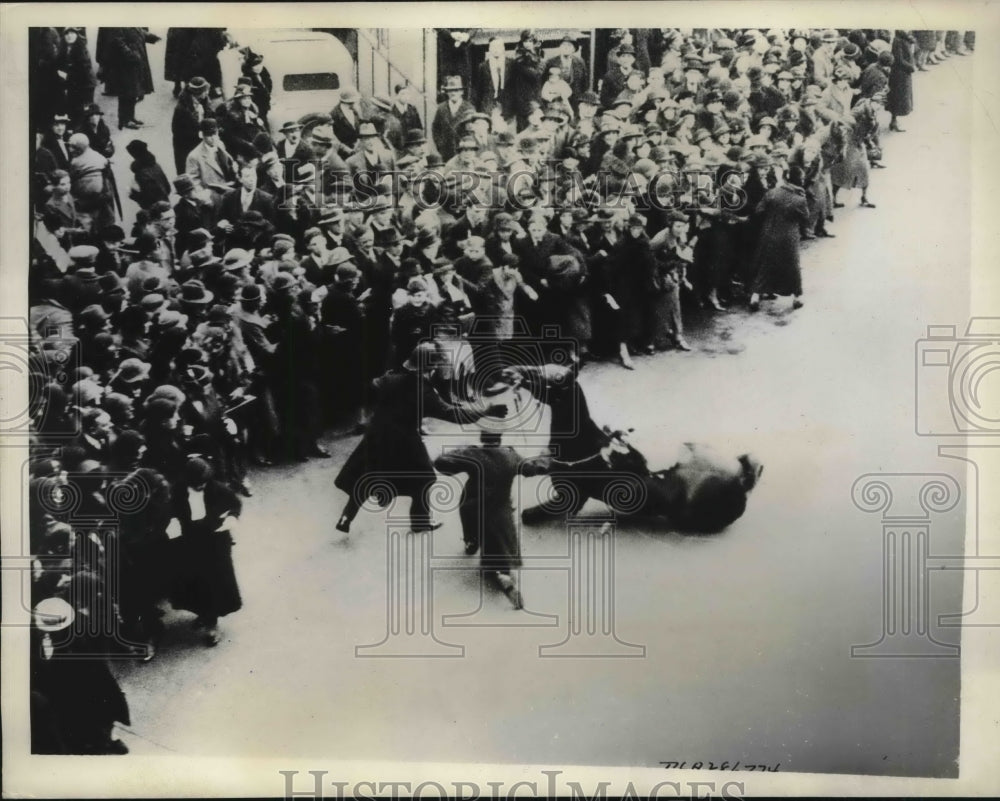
{"x": 444, "y": 128}
{"x": 292, "y": 150}
{"x": 345, "y": 121}
{"x": 185, "y": 125}
{"x": 246, "y": 198}
{"x": 210, "y": 164}
{"x": 325, "y": 148}
{"x": 415, "y": 146}
{"x": 405, "y": 112}
{"x": 372, "y": 158}
{"x": 616, "y": 78}
{"x": 191, "y": 212}
{"x": 573, "y": 68}
{"x": 822, "y": 59}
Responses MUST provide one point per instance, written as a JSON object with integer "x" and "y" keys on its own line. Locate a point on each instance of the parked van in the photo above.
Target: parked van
{"x": 308, "y": 69}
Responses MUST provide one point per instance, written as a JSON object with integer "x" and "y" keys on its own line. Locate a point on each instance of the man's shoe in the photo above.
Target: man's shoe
{"x": 797, "y": 303}
{"x": 344, "y": 525}
{"x": 471, "y": 548}
{"x": 681, "y": 344}
{"x": 434, "y": 525}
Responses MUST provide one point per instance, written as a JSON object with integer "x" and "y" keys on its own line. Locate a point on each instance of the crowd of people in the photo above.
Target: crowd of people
{"x": 277, "y": 268}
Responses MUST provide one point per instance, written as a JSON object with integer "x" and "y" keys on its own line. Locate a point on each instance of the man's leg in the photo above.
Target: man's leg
{"x": 420, "y": 517}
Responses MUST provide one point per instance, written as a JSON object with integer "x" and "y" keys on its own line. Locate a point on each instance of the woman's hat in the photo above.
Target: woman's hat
{"x": 346, "y": 273}
{"x": 339, "y": 256}
{"x": 199, "y": 85}
{"x": 133, "y": 370}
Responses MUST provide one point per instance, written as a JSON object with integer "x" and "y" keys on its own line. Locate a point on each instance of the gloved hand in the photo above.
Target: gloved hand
{"x": 497, "y": 410}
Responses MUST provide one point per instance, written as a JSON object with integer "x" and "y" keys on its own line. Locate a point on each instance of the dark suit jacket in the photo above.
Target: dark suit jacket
{"x": 443, "y": 128}
{"x": 484, "y": 92}
{"x": 525, "y": 83}
{"x": 301, "y": 155}
{"x": 578, "y": 76}
{"x": 462, "y": 229}
{"x": 49, "y": 156}
{"x": 344, "y": 130}
{"x": 189, "y": 217}
{"x": 232, "y": 209}
{"x": 535, "y": 259}
{"x": 410, "y": 118}
{"x": 612, "y": 84}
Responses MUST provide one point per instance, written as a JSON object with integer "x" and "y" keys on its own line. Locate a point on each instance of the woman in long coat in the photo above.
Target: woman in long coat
{"x": 74, "y": 60}
{"x": 206, "y": 580}
{"x": 784, "y": 212}
{"x": 853, "y": 169}
{"x": 900, "y": 100}
{"x": 175, "y": 57}
{"x": 126, "y": 71}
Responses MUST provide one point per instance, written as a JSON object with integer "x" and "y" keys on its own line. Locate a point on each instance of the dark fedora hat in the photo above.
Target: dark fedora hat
{"x": 194, "y": 292}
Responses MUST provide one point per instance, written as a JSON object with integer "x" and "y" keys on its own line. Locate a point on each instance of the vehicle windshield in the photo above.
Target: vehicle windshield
{"x": 310, "y": 82}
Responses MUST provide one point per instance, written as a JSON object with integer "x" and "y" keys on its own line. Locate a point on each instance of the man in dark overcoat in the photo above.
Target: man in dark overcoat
{"x": 392, "y": 459}
{"x": 126, "y": 71}
{"x": 444, "y": 128}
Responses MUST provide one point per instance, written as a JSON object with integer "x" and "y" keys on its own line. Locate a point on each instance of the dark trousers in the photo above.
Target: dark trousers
{"x": 126, "y": 110}
{"x": 419, "y": 510}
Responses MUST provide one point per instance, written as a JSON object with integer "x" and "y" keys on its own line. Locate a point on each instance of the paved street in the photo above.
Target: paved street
{"x": 747, "y": 634}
